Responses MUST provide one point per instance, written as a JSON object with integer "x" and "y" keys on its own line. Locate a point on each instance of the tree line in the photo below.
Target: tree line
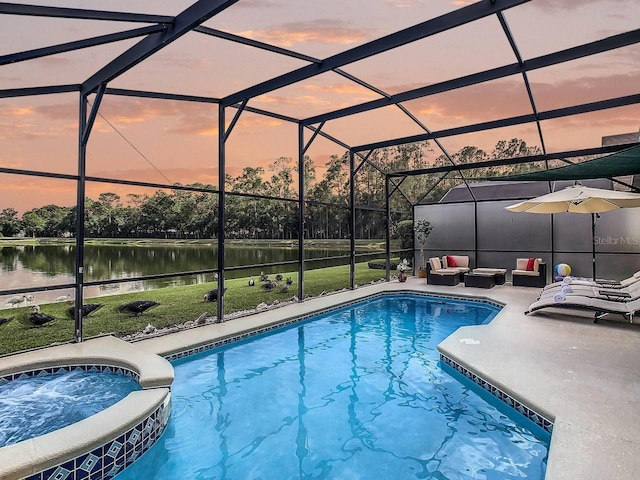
{"x": 261, "y": 203}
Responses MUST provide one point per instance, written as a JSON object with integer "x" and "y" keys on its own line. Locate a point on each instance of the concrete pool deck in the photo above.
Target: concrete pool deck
{"x": 583, "y": 376}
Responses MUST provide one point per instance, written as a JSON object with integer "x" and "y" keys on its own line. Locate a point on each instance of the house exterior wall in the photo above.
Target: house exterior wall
{"x": 495, "y": 237}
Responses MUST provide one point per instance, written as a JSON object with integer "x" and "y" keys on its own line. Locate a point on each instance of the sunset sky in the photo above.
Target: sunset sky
{"x": 180, "y": 139}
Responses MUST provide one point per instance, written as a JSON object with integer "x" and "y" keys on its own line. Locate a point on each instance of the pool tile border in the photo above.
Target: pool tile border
{"x": 106, "y": 461}
{"x": 70, "y": 368}
{"x": 300, "y": 318}
{"x": 537, "y": 418}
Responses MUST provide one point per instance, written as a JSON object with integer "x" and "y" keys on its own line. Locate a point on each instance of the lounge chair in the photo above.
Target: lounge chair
{"x": 599, "y": 306}
{"x": 575, "y": 282}
{"x": 529, "y": 272}
{"x": 617, "y": 294}
{"x": 590, "y": 289}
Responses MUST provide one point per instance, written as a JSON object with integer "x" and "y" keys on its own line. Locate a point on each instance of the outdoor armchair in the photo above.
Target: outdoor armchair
{"x": 437, "y": 275}
{"x": 529, "y": 272}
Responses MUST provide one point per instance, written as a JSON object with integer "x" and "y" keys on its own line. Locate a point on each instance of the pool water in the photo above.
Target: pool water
{"x": 357, "y": 393}
{"x": 30, "y": 407}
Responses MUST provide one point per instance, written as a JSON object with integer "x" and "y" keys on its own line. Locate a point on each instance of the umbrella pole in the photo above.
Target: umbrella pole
{"x": 593, "y": 244}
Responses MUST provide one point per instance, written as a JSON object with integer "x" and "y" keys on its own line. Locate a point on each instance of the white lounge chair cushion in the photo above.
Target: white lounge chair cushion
{"x": 595, "y": 292}
{"x": 598, "y": 304}
{"x": 629, "y": 285}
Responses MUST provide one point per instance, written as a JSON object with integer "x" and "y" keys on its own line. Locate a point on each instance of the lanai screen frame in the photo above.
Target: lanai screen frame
{"x": 166, "y": 29}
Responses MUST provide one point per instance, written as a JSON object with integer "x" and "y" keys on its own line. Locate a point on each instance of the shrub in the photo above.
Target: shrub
{"x": 381, "y": 263}
{"x": 405, "y": 234}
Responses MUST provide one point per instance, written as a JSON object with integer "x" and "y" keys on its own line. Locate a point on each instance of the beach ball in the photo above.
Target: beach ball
{"x": 562, "y": 270}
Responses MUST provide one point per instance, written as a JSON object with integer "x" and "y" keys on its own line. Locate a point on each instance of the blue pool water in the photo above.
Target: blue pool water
{"x": 357, "y": 393}
{"x": 33, "y": 406}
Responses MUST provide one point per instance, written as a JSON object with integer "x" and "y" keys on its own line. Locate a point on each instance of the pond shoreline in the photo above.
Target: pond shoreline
{"x": 371, "y": 244}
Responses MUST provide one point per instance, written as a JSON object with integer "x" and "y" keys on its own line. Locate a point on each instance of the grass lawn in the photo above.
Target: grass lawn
{"x": 177, "y": 305}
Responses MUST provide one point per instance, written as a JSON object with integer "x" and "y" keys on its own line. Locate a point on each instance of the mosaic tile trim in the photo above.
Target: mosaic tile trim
{"x": 106, "y": 461}
{"x": 301, "y": 318}
{"x": 532, "y": 415}
{"x": 70, "y": 368}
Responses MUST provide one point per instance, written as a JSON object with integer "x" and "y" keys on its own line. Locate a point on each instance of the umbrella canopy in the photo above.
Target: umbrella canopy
{"x": 580, "y": 199}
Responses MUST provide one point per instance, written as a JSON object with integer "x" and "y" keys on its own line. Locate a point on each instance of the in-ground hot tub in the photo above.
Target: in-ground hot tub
{"x": 101, "y": 445}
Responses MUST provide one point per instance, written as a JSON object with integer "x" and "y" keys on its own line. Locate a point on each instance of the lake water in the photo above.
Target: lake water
{"x": 29, "y": 266}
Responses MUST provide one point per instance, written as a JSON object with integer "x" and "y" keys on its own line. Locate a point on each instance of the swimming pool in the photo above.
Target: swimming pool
{"x": 354, "y": 393}
{"x": 33, "y": 405}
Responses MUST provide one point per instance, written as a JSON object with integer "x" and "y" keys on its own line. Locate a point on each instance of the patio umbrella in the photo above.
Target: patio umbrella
{"x": 580, "y": 199}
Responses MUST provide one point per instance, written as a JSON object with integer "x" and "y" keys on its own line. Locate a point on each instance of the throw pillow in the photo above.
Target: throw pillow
{"x": 451, "y": 262}
{"x": 530, "y": 264}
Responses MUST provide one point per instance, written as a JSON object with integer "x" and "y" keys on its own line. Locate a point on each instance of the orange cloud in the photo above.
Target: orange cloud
{"x": 474, "y": 104}
{"x": 584, "y": 90}
{"x": 319, "y": 31}
{"x": 201, "y": 125}
{"x": 131, "y": 110}
{"x": 342, "y": 89}
{"x": 205, "y": 173}
{"x": 481, "y": 102}
{"x": 182, "y": 118}
{"x": 21, "y": 123}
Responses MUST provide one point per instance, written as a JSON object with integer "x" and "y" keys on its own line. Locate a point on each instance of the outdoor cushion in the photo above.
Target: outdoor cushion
{"x": 490, "y": 270}
{"x": 451, "y": 261}
{"x": 461, "y": 261}
{"x": 523, "y": 263}
{"x": 446, "y": 271}
{"x": 530, "y": 273}
{"x": 435, "y": 263}
{"x": 580, "y": 282}
{"x": 620, "y": 294}
{"x": 530, "y": 264}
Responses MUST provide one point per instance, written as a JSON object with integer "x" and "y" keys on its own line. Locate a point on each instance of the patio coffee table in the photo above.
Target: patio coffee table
{"x": 500, "y": 273}
{"x": 480, "y": 280}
